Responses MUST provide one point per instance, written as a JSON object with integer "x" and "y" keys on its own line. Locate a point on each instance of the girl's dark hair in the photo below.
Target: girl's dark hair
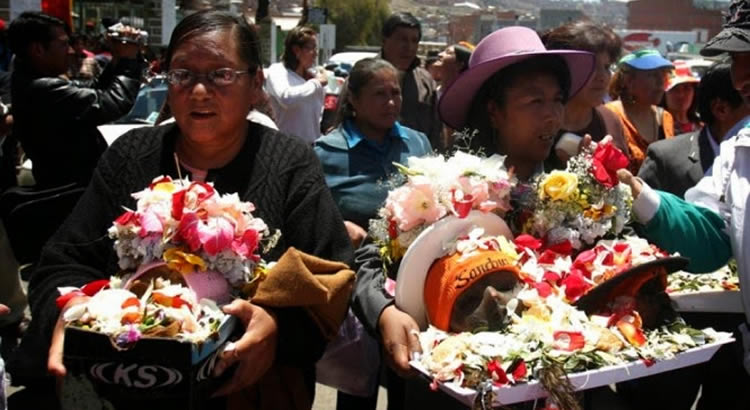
{"x": 208, "y": 21}
{"x": 495, "y": 89}
{"x": 463, "y": 54}
{"x": 298, "y": 36}
{"x": 584, "y": 35}
{"x": 361, "y": 74}
{"x": 692, "y": 112}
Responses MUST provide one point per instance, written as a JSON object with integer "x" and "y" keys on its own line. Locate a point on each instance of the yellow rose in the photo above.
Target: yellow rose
{"x": 558, "y": 186}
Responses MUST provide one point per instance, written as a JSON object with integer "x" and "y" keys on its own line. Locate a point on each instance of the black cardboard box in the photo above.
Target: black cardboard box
{"x": 155, "y": 372}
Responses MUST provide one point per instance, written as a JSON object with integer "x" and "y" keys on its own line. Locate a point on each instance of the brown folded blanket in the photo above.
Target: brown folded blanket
{"x": 323, "y": 289}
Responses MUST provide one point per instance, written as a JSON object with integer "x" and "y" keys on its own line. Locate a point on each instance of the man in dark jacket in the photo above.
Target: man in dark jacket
{"x": 677, "y": 164}
{"x": 401, "y": 35}
{"x": 55, "y": 119}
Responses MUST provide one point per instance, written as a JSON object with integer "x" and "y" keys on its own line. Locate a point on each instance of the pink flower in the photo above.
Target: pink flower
{"x": 215, "y": 235}
{"x": 150, "y": 224}
{"x": 474, "y": 191}
{"x": 414, "y": 204}
{"x": 187, "y": 230}
{"x": 246, "y": 244}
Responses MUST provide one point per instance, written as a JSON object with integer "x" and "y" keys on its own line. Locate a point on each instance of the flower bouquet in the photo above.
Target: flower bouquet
{"x": 580, "y": 204}
{"x": 429, "y": 188}
{"x": 183, "y": 250}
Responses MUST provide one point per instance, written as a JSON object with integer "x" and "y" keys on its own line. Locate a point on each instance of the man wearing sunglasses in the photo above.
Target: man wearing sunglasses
{"x": 55, "y": 119}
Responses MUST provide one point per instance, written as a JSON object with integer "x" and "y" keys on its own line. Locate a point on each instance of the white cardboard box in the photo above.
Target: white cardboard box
{"x": 584, "y": 380}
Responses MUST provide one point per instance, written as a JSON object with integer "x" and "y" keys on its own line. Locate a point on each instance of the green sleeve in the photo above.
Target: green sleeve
{"x": 695, "y": 232}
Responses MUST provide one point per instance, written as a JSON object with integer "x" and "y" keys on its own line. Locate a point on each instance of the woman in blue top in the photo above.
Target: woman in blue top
{"x": 359, "y": 153}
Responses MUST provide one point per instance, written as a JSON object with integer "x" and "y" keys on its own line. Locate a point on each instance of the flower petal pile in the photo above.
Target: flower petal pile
{"x": 549, "y": 330}
{"x": 163, "y": 310}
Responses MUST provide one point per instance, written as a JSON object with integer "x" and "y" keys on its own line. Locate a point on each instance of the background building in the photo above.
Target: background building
{"x": 676, "y": 15}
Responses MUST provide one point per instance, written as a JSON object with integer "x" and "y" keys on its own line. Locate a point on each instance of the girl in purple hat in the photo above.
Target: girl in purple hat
{"x": 513, "y": 95}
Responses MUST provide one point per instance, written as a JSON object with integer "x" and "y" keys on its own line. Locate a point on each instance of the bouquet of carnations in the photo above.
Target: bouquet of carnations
{"x": 184, "y": 249}
{"x": 434, "y": 186}
{"x": 192, "y": 227}
{"x": 581, "y": 204}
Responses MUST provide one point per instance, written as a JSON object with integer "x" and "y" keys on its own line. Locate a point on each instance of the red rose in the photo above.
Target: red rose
{"x": 607, "y": 160}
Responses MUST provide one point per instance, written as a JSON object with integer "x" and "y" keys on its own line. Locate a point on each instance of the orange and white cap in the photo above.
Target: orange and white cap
{"x": 451, "y": 275}
{"x": 680, "y": 75}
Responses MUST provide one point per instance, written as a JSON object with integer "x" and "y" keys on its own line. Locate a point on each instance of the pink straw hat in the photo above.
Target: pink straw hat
{"x": 498, "y": 50}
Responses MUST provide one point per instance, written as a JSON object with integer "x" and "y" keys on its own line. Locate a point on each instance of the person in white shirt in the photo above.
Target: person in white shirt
{"x": 297, "y": 90}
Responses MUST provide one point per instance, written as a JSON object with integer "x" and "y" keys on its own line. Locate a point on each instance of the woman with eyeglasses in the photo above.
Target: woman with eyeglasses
{"x": 638, "y": 87}
{"x": 215, "y": 79}
{"x": 296, "y": 88}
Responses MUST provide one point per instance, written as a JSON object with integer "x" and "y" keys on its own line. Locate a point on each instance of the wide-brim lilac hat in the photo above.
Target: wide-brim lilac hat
{"x": 498, "y": 50}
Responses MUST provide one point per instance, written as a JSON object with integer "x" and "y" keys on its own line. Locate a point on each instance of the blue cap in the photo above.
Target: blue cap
{"x": 646, "y": 59}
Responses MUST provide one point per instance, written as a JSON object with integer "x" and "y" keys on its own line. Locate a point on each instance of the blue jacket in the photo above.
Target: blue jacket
{"x": 355, "y": 167}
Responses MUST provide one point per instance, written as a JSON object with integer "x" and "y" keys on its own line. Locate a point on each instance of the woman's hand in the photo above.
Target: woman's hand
{"x": 399, "y": 337}
{"x": 55, "y": 357}
{"x": 564, "y": 155}
{"x": 356, "y": 233}
{"x": 255, "y": 351}
{"x": 636, "y": 186}
{"x": 4, "y": 310}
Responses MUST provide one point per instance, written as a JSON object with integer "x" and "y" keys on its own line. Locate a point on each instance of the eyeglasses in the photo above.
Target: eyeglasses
{"x": 221, "y": 77}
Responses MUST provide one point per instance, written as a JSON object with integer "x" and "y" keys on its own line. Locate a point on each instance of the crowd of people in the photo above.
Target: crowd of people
{"x": 257, "y": 131}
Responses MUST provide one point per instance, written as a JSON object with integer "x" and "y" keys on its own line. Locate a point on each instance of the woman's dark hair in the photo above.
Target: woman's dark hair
{"x": 692, "y": 112}
{"x": 401, "y": 19}
{"x": 361, "y": 74}
{"x": 298, "y": 36}
{"x": 496, "y": 87}
{"x": 716, "y": 83}
{"x": 32, "y": 27}
{"x": 463, "y": 54}
{"x": 584, "y": 35}
{"x": 208, "y": 21}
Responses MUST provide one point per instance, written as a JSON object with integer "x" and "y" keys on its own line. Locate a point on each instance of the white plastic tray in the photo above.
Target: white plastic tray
{"x": 720, "y": 301}
{"x": 584, "y": 380}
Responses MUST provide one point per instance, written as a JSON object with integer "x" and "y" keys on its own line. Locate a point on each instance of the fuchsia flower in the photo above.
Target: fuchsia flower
{"x": 247, "y": 244}
{"x": 214, "y": 234}
{"x": 414, "y": 204}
